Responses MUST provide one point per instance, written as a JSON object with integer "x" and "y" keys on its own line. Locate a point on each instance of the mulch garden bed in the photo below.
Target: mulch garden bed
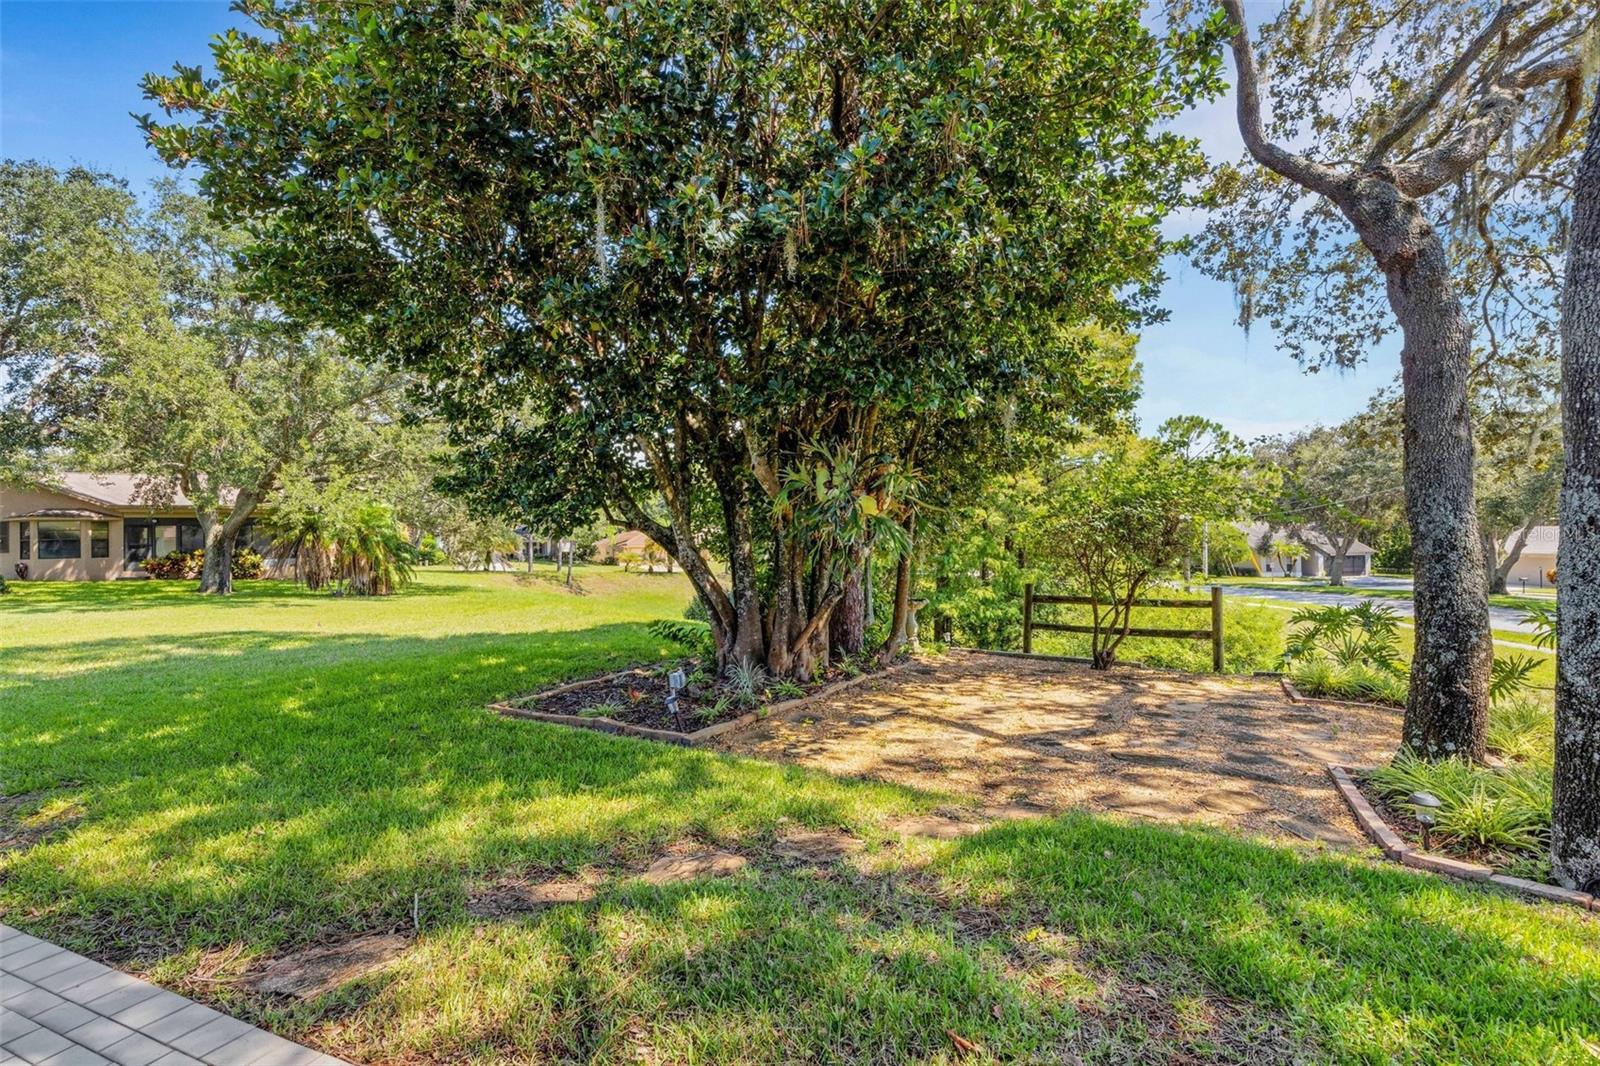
{"x": 1400, "y": 838}
{"x": 634, "y": 702}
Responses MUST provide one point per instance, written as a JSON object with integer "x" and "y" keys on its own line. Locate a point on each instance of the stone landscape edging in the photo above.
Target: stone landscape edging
{"x": 602, "y": 724}
{"x": 1396, "y": 849}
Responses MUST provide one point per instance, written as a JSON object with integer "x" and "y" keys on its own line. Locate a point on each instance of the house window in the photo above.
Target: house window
{"x": 99, "y": 540}
{"x": 138, "y": 538}
{"x": 189, "y": 538}
{"x": 24, "y": 529}
{"x": 5, "y": 537}
{"x": 60, "y": 540}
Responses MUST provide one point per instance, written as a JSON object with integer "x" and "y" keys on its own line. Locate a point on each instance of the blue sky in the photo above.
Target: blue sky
{"x": 69, "y": 74}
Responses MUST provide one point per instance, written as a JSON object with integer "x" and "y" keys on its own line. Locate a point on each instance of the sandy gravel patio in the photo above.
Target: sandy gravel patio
{"x": 1016, "y": 734}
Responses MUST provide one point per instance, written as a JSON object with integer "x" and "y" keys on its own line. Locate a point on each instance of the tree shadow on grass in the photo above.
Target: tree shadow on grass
{"x": 268, "y": 788}
{"x": 272, "y": 790}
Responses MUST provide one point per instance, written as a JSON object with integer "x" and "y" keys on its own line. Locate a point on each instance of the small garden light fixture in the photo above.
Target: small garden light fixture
{"x": 1425, "y": 804}
{"x": 675, "y": 684}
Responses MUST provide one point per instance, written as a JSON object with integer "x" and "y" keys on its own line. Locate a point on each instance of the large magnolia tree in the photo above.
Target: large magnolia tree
{"x": 1422, "y": 150}
{"x": 732, "y": 272}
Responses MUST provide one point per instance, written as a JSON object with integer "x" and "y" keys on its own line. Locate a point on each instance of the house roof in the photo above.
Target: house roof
{"x": 59, "y": 512}
{"x": 1542, "y": 540}
{"x": 117, "y": 490}
{"x": 1310, "y": 536}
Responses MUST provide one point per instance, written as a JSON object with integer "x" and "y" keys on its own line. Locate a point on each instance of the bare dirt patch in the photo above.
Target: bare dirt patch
{"x": 1030, "y": 735}
{"x": 29, "y": 817}
{"x": 815, "y": 846}
{"x": 692, "y": 865}
{"x": 510, "y": 896}
{"x": 319, "y": 970}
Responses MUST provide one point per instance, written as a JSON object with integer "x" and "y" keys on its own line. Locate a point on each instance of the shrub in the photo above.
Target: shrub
{"x": 4, "y": 588}
{"x": 1509, "y": 674}
{"x": 1542, "y": 616}
{"x": 247, "y": 564}
{"x": 746, "y": 682}
{"x": 22, "y": 571}
{"x": 696, "y": 636}
{"x": 1506, "y": 808}
{"x": 429, "y": 553}
{"x": 1523, "y": 729}
{"x": 1366, "y": 635}
{"x": 176, "y": 565}
{"x": 371, "y": 553}
{"x": 1366, "y": 684}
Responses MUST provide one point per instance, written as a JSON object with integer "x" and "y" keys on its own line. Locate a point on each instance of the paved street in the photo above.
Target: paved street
{"x": 61, "y": 1009}
{"x": 1505, "y": 618}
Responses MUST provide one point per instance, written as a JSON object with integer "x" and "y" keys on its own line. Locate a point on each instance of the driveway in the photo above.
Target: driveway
{"x": 1013, "y": 735}
{"x": 1505, "y": 618}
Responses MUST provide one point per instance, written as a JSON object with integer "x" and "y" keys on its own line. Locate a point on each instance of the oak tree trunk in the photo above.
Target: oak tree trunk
{"x": 1448, "y": 705}
{"x": 216, "y": 570}
{"x": 1575, "y": 829}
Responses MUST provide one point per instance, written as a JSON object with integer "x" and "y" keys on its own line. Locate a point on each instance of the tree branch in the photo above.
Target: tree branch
{"x": 1297, "y": 168}
{"x": 1435, "y": 169}
{"x": 1419, "y": 108}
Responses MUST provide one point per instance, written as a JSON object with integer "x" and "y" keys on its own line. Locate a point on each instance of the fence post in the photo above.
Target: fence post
{"x": 1216, "y": 629}
{"x": 1027, "y": 618}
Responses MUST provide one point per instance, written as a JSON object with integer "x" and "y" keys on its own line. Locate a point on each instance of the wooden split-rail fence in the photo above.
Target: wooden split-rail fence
{"x": 1214, "y": 634}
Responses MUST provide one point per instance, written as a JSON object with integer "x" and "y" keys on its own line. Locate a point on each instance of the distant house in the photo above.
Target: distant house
{"x": 1312, "y": 557}
{"x": 606, "y": 549}
{"x": 1538, "y": 557}
{"x": 92, "y": 527}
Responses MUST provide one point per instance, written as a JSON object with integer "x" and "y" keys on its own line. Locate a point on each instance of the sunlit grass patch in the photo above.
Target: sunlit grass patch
{"x": 228, "y": 781}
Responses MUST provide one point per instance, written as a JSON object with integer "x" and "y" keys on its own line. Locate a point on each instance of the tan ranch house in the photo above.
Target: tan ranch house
{"x": 91, "y": 527}
{"x": 1538, "y": 558}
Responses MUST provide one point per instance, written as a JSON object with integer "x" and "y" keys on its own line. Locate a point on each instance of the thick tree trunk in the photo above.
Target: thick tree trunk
{"x": 903, "y": 622}
{"x": 216, "y": 572}
{"x": 1575, "y": 831}
{"x": 1448, "y": 706}
{"x": 1336, "y": 569}
{"x": 848, "y": 627}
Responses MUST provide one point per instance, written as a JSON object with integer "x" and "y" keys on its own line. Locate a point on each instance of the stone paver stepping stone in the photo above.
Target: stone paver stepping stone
{"x": 816, "y": 845}
{"x": 1316, "y": 831}
{"x": 516, "y": 897}
{"x": 316, "y": 971}
{"x": 1015, "y": 812}
{"x": 938, "y": 826}
{"x": 1157, "y": 807}
{"x": 671, "y": 869}
{"x": 1232, "y": 801}
{"x": 1145, "y": 758}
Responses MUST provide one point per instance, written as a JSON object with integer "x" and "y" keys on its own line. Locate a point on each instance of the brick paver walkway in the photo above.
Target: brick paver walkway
{"x": 61, "y": 1009}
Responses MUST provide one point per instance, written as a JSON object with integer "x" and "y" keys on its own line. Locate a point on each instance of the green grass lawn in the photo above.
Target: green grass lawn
{"x": 214, "y": 781}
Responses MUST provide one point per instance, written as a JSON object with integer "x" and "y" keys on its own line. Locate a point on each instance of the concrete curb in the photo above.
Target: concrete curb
{"x": 669, "y": 736}
{"x": 1398, "y": 850}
